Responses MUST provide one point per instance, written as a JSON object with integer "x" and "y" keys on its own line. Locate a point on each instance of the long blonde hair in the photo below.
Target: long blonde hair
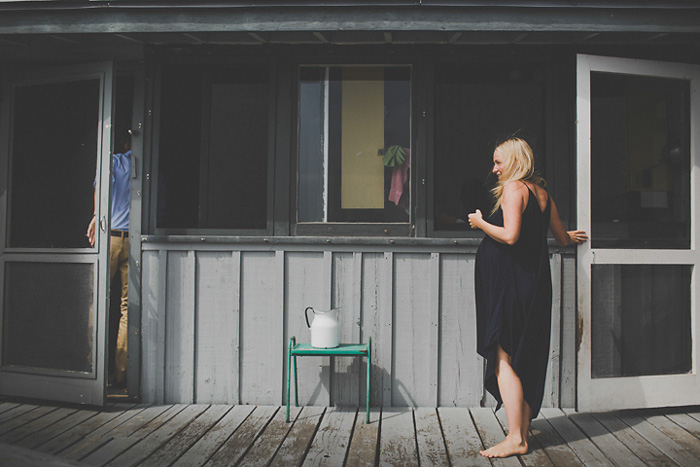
{"x": 519, "y": 164}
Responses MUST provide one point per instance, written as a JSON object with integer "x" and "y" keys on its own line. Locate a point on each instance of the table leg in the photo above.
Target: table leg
{"x": 289, "y": 368}
{"x": 369, "y": 367}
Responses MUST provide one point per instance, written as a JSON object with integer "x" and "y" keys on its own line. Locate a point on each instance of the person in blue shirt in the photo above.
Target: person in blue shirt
{"x": 119, "y": 249}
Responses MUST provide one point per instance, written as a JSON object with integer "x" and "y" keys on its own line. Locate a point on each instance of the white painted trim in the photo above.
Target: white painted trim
{"x": 642, "y": 391}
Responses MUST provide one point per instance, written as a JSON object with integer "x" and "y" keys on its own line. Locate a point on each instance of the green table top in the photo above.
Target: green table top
{"x": 342, "y": 349}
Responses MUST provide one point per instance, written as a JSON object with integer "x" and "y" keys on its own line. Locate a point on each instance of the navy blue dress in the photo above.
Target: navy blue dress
{"x": 513, "y": 288}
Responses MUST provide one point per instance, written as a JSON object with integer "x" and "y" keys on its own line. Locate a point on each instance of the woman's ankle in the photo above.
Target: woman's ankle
{"x": 516, "y": 439}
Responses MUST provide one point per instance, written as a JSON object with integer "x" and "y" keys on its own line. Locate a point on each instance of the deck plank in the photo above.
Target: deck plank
{"x": 658, "y": 439}
{"x": 5, "y": 406}
{"x": 332, "y": 439}
{"x": 431, "y": 442}
{"x": 365, "y": 440}
{"x": 145, "y": 446}
{"x": 190, "y": 435}
{"x": 613, "y": 448}
{"x": 16, "y": 456}
{"x": 42, "y": 436}
{"x": 85, "y": 442}
{"x": 397, "y": 440}
{"x": 38, "y": 424}
{"x": 22, "y": 419}
{"x": 695, "y": 415}
{"x": 633, "y": 440}
{"x": 172, "y": 449}
{"x": 125, "y": 436}
{"x": 208, "y": 444}
{"x": 491, "y": 433}
{"x": 8, "y": 415}
{"x": 264, "y": 448}
{"x": 240, "y": 441}
{"x": 686, "y": 422}
{"x": 86, "y": 427}
{"x": 462, "y": 440}
{"x": 536, "y": 455}
{"x": 575, "y": 438}
{"x": 553, "y": 444}
{"x": 676, "y": 433}
{"x": 296, "y": 444}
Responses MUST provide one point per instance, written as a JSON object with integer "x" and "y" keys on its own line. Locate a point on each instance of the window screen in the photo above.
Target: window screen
{"x": 49, "y": 316}
{"x": 54, "y": 155}
{"x": 213, "y": 147}
{"x": 641, "y": 320}
{"x": 640, "y": 162}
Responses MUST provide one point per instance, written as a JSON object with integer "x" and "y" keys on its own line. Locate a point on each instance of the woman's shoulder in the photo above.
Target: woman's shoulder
{"x": 514, "y": 186}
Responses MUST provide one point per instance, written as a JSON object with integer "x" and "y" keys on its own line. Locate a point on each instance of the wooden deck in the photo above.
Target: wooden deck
{"x": 193, "y": 435}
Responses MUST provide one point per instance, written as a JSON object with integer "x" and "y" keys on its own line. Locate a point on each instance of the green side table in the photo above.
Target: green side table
{"x": 343, "y": 350}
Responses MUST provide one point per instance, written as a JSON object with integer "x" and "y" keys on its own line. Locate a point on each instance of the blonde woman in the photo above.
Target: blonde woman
{"x": 514, "y": 290}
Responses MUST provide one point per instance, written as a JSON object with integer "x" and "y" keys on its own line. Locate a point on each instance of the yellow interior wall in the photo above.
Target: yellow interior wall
{"x": 362, "y": 171}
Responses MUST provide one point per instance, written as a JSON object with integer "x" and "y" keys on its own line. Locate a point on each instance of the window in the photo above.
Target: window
{"x": 213, "y": 147}
{"x": 475, "y": 107}
{"x": 354, "y": 143}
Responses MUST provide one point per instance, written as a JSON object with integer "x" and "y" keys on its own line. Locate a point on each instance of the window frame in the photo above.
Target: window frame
{"x": 390, "y": 229}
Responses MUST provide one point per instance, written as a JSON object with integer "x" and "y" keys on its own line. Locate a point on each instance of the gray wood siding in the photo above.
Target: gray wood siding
{"x": 216, "y": 322}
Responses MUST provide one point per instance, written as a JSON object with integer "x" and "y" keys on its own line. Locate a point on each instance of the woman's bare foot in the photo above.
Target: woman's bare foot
{"x": 507, "y": 447}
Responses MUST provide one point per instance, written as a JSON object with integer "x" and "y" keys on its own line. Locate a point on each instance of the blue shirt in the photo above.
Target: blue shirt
{"x": 121, "y": 183}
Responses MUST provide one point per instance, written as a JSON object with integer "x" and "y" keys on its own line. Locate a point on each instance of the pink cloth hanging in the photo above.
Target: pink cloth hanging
{"x": 398, "y": 179}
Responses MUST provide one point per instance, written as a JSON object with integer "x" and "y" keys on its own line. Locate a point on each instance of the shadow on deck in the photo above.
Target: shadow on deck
{"x": 121, "y": 434}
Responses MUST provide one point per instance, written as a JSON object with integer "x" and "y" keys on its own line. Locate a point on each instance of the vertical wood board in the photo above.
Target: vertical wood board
{"x": 551, "y": 387}
{"x": 180, "y": 328}
{"x": 460, "y": 378}
{"x": 261, "y": 329}
{"x": 152, "y": 319}
{"x": 567, "y": 358}
{"x": 413, "y": 354}
{"x": 347, "y": 295}
{"x": 217, "y": 328}
{"x": 308, "y": 276}
{"x": 377, "y": 304}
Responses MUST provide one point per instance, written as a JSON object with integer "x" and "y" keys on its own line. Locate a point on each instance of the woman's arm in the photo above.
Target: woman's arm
{"x": 512, "y": 204}
{"x": 560, "y": 235}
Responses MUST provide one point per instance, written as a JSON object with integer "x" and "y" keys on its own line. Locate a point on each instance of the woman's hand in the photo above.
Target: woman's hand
{"x": 475, "y": 219}
{"x": 577, "y": 236}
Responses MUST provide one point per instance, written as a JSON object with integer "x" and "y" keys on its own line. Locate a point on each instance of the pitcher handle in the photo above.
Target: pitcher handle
{"x": 306, "y": 315}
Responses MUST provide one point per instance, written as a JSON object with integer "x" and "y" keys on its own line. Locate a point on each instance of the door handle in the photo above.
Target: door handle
{"x": 103, "y": 224}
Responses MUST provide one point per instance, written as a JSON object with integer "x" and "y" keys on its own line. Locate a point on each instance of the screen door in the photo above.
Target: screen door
{"x": 56, "y": 126}
{"x": 638, "y": 281}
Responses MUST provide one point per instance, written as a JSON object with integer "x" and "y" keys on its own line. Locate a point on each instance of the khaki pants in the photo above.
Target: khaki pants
{"x": 119, "y": 263}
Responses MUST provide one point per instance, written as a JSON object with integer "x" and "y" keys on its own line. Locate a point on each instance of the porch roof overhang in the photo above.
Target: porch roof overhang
{"x": 122, "y": 28}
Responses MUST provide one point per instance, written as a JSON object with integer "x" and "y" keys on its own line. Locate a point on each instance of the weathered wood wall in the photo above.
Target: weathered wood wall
{"x": 216, "y": 320}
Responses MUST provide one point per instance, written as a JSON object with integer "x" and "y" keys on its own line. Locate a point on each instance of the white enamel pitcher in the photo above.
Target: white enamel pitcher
{"x": 325, "y": 332}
